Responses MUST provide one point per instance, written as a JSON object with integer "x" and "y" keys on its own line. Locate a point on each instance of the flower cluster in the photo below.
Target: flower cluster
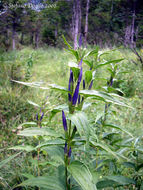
{"x": 73, "y": 98}
{"x": 66, "y": 151}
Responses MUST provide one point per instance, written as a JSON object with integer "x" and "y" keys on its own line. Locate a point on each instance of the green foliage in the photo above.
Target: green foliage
{"x": 48, "y": 182}
{"x": 106, "y": 152}
{"x": 82, "y": 175}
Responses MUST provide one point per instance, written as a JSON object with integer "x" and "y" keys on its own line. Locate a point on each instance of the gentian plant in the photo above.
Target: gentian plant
{"x": 79, "y": 135}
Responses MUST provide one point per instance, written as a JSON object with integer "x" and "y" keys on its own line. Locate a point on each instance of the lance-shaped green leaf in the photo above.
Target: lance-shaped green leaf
{"x": 59, "y": 108}
{"x": 89, "y": 63}
{"x": 27, "y": 148}
{"x": 32, "y": 84}
{"x": 66, "y": 43}
{"x": 108, "y": 62}
{"x": 88, "y": 76}
{"x": 104, "y": 147}
{"x": 82, "y": 175}
{"x": 79, "y": 119}
{"x": 59, "y": 88}
{"x": 111, "y": 89}
{"x": 51, "y": 143}
{"x": 33, "y": 131}
{"x": 122, "y": 180}
{"x": 73, "y": 52}
{"x": 106, "y": 52}
{"x": 106, "y": 183}
{"x": 45, "y": 182}
{"x": 93, "y": 52}
{"x": 27, "y": 175}
{"x": 4, "y": 162}
{"x": 103, "y": 96}
{"x": 119, "y": 128}
{"x": 33, "y": 103}
{"x": 28, "y": 123}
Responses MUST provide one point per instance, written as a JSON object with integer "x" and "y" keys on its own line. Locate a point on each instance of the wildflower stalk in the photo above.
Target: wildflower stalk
{"x": 109, "y": 84}
{"x": 73, "y": 101}
{"x": 39, "y": 121}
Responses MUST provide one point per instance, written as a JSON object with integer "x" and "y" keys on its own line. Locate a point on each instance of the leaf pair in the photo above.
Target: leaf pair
{"x": 78, "y": 170}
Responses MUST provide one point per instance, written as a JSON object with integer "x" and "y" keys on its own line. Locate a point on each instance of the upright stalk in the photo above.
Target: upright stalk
{"x": 66, "y": 173}
{"x": 107, "y": 105}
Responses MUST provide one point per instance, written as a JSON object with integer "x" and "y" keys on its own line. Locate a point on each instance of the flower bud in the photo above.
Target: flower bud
{"x": 90, "y": 86}
{"x": 64, "y": 121}
{"x": 65, "y": 148}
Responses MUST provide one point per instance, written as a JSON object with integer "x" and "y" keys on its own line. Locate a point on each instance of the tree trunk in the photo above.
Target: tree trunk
{"x": 86, "y": 23}
{"x": 13, "y": 36}
{"x": 111, "y": 17}
{"x": 130, "y": 31}
{"x": 56, "y": 33}
{"x": 133, "y": 28}
{"x": 73, "y": 21}
{"x": 80, "y": 16}
{"x": 76, "y": 20}
{"x": 127, "y": 35}
{"x": 37, "y": 39}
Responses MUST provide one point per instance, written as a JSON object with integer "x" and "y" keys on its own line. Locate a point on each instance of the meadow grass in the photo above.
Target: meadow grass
{"x": 51, "y": 66}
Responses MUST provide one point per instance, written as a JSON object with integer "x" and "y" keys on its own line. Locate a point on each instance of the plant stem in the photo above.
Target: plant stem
{"x": 105, "y": 112}
{"x": 96, "y": 158}
{"x": 38, "y": 155}
{"x": 69, "y": 129}
{"x": 66, "y": 176}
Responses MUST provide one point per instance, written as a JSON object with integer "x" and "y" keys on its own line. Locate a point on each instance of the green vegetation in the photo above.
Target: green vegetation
{"x": 115, "y": 156}
{"x": 71, "y": 117}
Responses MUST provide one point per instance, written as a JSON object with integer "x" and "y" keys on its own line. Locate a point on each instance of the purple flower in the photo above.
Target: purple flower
{"x": 83, "y": 84}
{"x": 69, "y": 153}
{"x": 70, "y": 85}
{"x": 64, "y": 121}
{"x": 80, "y": 63}
{"x": 65, "y": 148}
{"x": 90, "y": 86}
{"x": 80, "y": 41}
{"x": 76, "y": 92}
{"x": 75, "y": 96}
{"x": 37, "y": 116}
{"x": 42, "y": 116}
